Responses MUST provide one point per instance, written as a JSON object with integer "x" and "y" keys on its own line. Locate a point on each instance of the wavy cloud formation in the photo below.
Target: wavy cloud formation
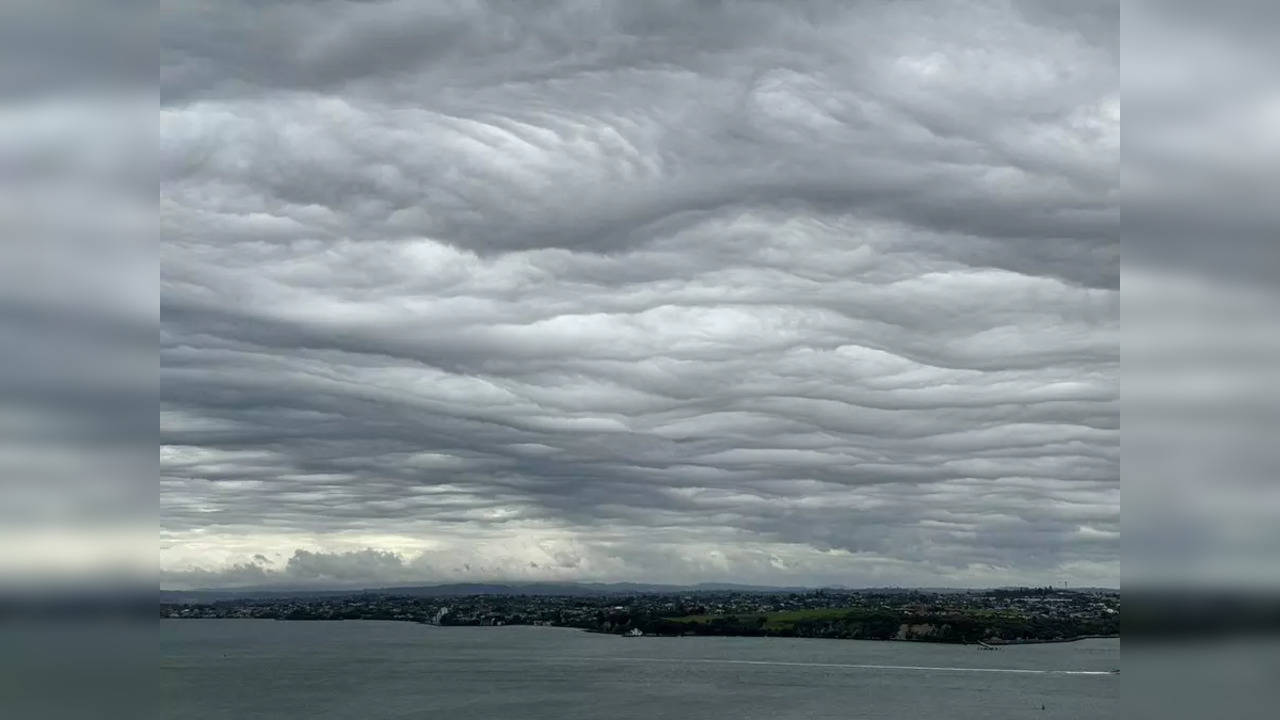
{"x": 806, "y": 292}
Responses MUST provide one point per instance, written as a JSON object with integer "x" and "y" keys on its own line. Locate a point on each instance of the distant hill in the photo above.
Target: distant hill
{"x": 460, "y": 589}
{"x": 539, "y": 588}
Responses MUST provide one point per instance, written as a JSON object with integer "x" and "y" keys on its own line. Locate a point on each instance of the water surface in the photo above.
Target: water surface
{"x": 377, "y": 670}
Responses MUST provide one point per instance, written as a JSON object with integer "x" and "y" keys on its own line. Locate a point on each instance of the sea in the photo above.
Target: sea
{"x": 372, "y": 670}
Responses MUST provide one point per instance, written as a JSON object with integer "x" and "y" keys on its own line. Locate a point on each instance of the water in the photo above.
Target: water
{"x": 377, "y": 670}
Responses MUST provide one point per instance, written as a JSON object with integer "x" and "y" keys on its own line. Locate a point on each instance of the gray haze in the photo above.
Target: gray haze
{"x": 765, "y": 292}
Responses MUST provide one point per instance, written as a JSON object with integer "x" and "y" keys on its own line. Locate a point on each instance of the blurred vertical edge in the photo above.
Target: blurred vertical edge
{"x": 79, "y": 318}
{"x": 1201, "y": 358}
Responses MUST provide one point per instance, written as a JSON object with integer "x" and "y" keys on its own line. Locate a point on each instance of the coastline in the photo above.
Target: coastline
{"x": 923, "y": 641}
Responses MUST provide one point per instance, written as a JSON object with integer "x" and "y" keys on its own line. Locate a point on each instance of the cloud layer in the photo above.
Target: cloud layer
{"x": 763, "y": 292}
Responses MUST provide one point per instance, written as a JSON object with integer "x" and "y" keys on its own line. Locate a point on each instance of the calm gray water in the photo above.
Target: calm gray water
{"x": 376, "y": 670}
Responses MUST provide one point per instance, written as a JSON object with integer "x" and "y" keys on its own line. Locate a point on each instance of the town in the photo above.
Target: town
{"x": 993, "y": 617}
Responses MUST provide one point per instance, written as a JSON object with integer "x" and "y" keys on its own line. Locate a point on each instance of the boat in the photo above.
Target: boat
{"x": 633, "y": 632}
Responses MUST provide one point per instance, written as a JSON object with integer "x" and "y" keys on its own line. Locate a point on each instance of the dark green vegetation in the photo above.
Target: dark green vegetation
{"x": 992, "y": 616}
{"x": 968, "y": 625}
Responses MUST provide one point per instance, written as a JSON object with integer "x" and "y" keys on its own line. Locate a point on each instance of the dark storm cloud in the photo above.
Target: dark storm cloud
{"x": 805, "y": 292}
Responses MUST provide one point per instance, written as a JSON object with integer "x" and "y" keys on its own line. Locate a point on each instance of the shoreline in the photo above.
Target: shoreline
{"x": 655, "y": 635}
{"x": 994, "y": 645}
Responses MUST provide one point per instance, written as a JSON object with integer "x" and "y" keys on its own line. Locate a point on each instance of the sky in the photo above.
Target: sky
{"x": 790, "y": 293}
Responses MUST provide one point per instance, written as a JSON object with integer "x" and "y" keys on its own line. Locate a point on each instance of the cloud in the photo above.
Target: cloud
{"x": 803, "y": 292}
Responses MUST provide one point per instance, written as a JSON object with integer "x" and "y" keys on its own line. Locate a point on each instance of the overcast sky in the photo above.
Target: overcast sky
{"x": 768, "y": 292}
